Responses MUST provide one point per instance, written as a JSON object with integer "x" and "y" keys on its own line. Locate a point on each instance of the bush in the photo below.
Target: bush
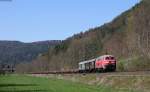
{"x": 134, "y": 64}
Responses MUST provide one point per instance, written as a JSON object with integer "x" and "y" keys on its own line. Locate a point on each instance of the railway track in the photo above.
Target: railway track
{"x": 136, "y": 73}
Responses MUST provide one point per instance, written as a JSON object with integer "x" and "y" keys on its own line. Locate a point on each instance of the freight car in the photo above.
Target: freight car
{"x": 100, "y": 64}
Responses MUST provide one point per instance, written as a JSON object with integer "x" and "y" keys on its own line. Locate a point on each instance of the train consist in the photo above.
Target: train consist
{"x": 100, "y": 64}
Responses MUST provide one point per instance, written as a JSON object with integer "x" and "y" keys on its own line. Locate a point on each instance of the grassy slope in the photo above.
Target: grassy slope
{"x": 121, "y": 82}
{"x": 17, "y": 83}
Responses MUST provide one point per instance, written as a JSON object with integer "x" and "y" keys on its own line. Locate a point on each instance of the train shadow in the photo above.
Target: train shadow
{"x": 5, "y": 88}
{"x": 24, "y": 91}
{"x": 16, "y": 85}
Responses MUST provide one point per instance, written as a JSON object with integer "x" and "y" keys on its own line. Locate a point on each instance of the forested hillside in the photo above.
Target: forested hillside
{"x": 127, "y": 37}
{"x": 14, "y": 52}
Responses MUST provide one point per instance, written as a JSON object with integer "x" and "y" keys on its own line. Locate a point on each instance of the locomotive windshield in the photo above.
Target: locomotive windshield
{"x": 109, "y": 58}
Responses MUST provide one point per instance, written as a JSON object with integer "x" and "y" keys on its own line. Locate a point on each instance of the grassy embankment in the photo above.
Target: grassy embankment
{"x": 119, "y": 81}
{"x": 20, "y": 83}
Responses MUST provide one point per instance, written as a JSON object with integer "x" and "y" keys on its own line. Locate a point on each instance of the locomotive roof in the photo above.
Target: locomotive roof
{"x": 106, "y": 56}
{"x": 92, "y": 60}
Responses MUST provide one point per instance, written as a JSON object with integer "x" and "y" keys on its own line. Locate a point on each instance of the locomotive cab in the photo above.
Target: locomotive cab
{"x": 106, "y": 62}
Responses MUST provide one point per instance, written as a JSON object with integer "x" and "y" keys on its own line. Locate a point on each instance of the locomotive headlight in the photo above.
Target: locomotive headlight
{"x": 106, "y": 62}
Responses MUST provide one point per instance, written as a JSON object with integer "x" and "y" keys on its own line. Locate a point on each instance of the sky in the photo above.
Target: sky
{"x": 38, "y": 20}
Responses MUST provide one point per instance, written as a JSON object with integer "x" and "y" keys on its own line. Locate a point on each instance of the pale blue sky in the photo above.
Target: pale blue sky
{"x": 37, "y": 20}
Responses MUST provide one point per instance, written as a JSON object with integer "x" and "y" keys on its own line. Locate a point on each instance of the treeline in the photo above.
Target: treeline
{"x": 15, "y": 52}
{"x": 127, "y": 37}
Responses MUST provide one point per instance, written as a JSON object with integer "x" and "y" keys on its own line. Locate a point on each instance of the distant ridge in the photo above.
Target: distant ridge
{"x": 15, "y": 52}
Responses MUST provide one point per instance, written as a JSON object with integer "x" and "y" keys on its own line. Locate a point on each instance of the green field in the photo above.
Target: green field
{"x": 22, "y": 83}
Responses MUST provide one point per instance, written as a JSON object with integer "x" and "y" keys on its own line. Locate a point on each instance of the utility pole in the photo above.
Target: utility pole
{"x": 48, "y": 53}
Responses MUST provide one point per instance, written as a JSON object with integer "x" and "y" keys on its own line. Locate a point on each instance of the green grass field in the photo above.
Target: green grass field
{"x": 22, "y": 83}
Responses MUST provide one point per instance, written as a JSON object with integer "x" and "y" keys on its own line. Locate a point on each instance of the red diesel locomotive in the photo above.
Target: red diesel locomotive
{"x": 102, "y": 63}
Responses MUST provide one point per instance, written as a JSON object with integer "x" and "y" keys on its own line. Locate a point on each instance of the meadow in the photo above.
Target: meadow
{"x": 24, "y": 83}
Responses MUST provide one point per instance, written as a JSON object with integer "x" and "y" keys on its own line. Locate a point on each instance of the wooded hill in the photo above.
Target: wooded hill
{"x": 127, "y": 37}
{"x": 14, "y": 52}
